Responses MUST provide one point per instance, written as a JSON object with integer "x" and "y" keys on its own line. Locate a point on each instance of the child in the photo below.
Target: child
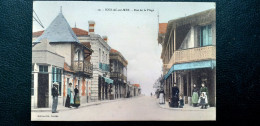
{"x": 203, "y": 101}
{"x": 169, "y": 102}
{"x": 181, "y": 102}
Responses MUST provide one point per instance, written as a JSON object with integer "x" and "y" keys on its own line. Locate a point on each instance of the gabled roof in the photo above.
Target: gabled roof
{"x": 59, "y": 31}
{"x": 162, "y": 28}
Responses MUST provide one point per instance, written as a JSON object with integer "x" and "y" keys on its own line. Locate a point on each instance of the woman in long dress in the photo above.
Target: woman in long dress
{"x": 76, "y": 97}
{"x": 67, "y": 103}
{"x": 161, "y": 97}
{"x": 195, "y": 95}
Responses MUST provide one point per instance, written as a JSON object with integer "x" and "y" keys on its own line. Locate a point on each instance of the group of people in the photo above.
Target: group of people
{"x": 199, "y": 97}
{"x": 72, "y": 99}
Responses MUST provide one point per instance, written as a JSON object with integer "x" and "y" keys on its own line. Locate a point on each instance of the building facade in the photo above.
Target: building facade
{"x": 118, "y": 65}
{"x": 76, "y": 68}
{"x": 189, "y": 54}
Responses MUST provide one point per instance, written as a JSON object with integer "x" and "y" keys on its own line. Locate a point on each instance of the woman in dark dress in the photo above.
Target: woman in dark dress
{"x": 67, "y": 103}
{"x": 175, "y": 96}
{"x": 76, "y": 97}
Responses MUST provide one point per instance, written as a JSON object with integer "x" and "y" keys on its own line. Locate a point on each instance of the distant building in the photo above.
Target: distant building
{"x": 189, "y": 53}
{"x": 118, "y": 65}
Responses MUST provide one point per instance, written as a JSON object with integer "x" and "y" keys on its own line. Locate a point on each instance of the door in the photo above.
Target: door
{"x": 43, "y": 90}
{"x": 99, "y": 88}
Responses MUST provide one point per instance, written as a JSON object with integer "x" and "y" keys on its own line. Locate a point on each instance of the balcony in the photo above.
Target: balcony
{"x": 88, "y": 67}
{"x": 192, "y": 55}
{"x": 104, "y": 67}
{"x": 120, "y": 76}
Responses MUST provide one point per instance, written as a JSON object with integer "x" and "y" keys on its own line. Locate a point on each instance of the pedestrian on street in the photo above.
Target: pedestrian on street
{"x": 69, "y": 92}
{"x": 151, "y": 94}
{"x": 181, "y": 101}
{"x": 76, "y": 97}
{"x": 195, "y": 95}
{"x": 161, "y": 97}
{"x": 175, "y": 96}
{"x": 203, "y": 100}
{"x": 55, "y": 94}
{"x": 204, "y": 90}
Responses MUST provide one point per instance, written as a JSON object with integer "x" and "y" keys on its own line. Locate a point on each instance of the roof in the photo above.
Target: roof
{"x": 162, "y": 28}
{"x": 136, "y": 85}
{"x": 200, "y": 18}
{"x": 67, "y": 68}
{"x": 59, "y": 31}
{"x": 79, "y": 32}
{"x": 38, "y": 33}
{"x": 113, "y": 52}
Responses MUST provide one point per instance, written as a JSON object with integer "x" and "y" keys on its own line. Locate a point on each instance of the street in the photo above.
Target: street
{"x": 138, "y": 108}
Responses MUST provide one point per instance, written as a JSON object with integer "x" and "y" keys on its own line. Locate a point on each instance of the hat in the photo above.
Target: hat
{"x": 55, "y": 83}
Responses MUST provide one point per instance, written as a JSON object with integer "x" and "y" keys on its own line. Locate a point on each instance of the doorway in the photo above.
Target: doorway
{"x": 43, "y": 90}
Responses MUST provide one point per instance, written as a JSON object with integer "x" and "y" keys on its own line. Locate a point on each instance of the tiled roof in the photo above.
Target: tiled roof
{"x": 113, "y": 51}
{"x": 77, "y": 31}
{"x": 38, "y": 33}
{"x": 58, "y": 31}
{"x": 162, "y": 28}
{"x": 136, "y": 85}
{"x": 80, "y": 32}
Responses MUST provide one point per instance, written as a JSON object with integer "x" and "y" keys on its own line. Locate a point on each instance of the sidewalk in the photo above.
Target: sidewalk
{"x": 186, "y": 107}
{"x": 63, "y": 108}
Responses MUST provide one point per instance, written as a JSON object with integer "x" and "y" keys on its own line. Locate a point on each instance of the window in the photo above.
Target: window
{"x": 78, "y": 55}
{"x": 103, "y": 55}
{"x": 56, "y": 77}
{"x": 32, "y": 85}
{"x": 43, "y": 69}
{"x": 32, "y": 67}
{"x": 205, "y": 35}
{"x": 99, "y": 55}
{"x": 106, "y": 58}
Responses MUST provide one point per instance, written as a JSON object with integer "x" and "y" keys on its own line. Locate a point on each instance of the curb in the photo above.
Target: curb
{"x": 82, "y": 106}
{"x": 184, "y": 109}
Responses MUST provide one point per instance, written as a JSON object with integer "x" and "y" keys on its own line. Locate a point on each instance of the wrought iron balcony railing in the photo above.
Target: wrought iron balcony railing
{"x": 78, "y": 67}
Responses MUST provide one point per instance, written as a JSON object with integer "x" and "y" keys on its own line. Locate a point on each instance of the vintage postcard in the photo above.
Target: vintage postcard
{"x": 123, "y": 61}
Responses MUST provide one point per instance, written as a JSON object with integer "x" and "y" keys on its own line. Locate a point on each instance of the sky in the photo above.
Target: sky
{"x": 133, "y": 33}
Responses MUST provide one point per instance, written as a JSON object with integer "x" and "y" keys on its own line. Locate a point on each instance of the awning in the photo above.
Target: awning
{"x": 108, "y": 80}
{"x": 190, "y": 66}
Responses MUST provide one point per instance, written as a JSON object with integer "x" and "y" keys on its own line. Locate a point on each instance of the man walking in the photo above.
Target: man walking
{"x": 54, "y": 97}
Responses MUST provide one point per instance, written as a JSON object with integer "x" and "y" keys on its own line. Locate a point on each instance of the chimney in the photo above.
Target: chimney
{"x": 105, "y": 38}
{"x": 91, "y": 27}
